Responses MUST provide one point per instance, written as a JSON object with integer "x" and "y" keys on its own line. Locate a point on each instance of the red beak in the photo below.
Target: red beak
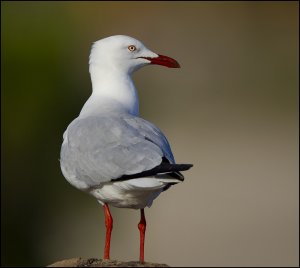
{"x": 163, "y": 60}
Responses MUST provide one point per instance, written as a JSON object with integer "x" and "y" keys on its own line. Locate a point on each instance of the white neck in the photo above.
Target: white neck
{"x": 113, "y": 90}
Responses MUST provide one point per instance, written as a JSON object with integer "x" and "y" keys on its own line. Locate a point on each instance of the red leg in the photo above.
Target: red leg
{"x": 142, "y": 228}
{"x": 109, "y": 226}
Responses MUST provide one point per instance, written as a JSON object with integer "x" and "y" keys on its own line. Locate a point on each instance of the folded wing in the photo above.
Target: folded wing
{"x": 98, "y": 149}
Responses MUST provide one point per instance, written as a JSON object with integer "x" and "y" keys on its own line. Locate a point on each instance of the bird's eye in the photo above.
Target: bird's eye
{"x": 132, "y": 48}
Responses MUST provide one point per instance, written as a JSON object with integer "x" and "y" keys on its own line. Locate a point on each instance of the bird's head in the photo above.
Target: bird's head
{"x": 127, "y": 54}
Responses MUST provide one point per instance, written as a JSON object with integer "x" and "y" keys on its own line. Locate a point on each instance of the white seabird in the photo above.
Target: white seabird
{"x": 110, "y": 152}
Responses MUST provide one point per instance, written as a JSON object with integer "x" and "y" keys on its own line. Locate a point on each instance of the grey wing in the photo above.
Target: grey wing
{"x": 153, "y": 134}
{"x": 100, "y": 149}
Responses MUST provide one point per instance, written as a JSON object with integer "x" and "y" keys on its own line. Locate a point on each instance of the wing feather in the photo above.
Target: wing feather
{"x": 98, "y": 149}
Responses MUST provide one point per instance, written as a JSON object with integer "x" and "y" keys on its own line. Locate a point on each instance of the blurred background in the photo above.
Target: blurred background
{"x": 231, "y": 110}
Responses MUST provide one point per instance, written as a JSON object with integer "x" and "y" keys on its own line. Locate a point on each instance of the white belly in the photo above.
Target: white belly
{"x": 134, "y": 193}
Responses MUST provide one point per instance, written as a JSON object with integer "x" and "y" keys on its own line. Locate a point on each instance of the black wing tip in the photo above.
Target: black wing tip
{"x": 183, "y": 167}
{"x": 180, "y": 167}
{"x": 162, "y": 168}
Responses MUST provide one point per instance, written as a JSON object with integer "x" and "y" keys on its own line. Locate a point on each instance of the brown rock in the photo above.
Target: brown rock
{"x": 79, "y": 262}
